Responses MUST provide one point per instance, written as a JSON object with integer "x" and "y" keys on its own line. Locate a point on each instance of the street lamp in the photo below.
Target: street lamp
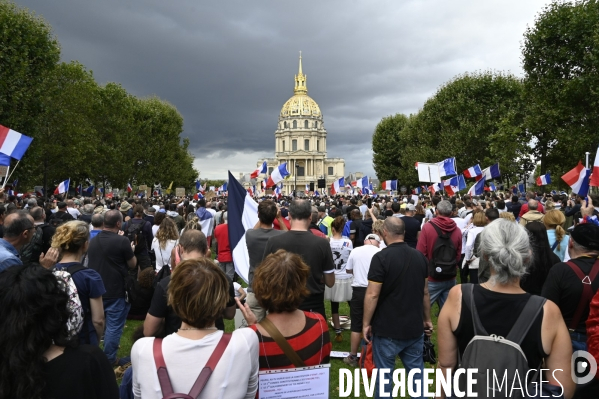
{"x": 296, "y": 172}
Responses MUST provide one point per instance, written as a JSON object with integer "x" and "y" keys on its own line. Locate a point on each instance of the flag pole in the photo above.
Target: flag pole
{"x": 6, "y": 177}
{"x": 9, "y": 175}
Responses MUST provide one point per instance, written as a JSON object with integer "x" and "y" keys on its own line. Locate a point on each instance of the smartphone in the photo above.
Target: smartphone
{"x": 369, "y": 202}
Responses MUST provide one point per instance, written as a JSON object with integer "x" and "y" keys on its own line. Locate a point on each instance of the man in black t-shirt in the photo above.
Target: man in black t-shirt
{"x": 351, "y": 207}
{"x": 397, "y": 304}
{"x": 192, "y": 245}
{"x": 315, "y": 251}
{"x": 111, "y": 255}
{"x": 412, "y": 226}
{"x": 564, "y": 284}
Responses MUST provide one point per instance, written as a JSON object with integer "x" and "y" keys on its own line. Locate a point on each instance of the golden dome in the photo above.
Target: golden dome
{"x": 300, "y": 104}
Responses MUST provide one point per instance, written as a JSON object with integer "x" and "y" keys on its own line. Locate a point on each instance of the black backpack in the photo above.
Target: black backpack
{"x": 59, "y": 218}
{"x": 502, "y": 356}
{"x": 35, "y": 246}
{"x": 135, "y": 234}
{"x": 162, "y": 274}
{"x": 443, "y": 263}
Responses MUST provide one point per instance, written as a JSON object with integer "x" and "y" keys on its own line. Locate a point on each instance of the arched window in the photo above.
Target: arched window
{"x": 295, "y": 124}
{"x": 293, "y": 145}
{"x": 307, "y": 145}
{"x": 318, "y": 145}
{"x": 306, "y": 124}
{"x": 283, "y": 145}
{"x": 285, "y": 125}
{"x": 316, "y": 124}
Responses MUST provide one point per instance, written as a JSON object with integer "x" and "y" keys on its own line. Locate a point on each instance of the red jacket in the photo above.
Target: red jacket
{"x": 524, "y": 209}
{"x": 428, "y": 237}
{"x": 593, "y": 328}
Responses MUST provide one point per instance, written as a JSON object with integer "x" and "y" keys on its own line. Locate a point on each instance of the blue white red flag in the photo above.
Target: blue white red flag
{"x": 578, "y": 179}
{"x": 336, "y": 186}
{"x": 278, "y": 175}
{"x": 447, "y": 167}
{"x": 243, "y": 215}
{"x": 129, "y": 188}
{"x": 260, "y": 170}
{"x": 13, "y": 144}
{"x": 63, "y": 187}
{"x": 478, "y": 188}
{"x": 473, "y": 171}
{"x": 543, "y": 180}
{"x": 492, "y": 172}
{"x": 390, "y": 185}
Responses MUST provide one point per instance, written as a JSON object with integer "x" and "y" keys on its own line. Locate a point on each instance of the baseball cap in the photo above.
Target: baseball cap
{"x": 411, "y": 207}
{"x": 374, "y": 237}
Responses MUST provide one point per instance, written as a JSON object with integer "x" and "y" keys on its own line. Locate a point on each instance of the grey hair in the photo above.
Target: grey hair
{"x": 533, "y": 205}
{"x": 445, "y": 208}
{"x": 506, "y": 246}
{"x": 300, "y": 210}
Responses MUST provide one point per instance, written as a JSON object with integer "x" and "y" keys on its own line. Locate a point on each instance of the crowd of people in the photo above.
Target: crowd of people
{"x": 74, "y": 269}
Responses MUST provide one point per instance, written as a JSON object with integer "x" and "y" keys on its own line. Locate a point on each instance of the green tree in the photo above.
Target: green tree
{"x": 65, "y": 140}
{"x": 387, "y": 146}
{"x": 28, "y": 52}
{"x": 477, "y": 118}
{"x": 561, "y": 60}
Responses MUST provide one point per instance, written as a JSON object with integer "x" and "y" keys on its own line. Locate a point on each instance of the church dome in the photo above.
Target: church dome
{"x": 300, "y": 104}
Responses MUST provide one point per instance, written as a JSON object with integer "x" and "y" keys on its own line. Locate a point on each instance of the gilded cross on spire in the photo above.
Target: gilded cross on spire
{"x": 300, "y": 80}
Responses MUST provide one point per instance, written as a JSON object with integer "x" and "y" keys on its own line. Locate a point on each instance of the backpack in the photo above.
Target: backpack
{"x": 35, "y": 246}
{"x": 134, "y": 233}
{"x": 162, "y": 273}
{"x": 76, "y": 314}
{"x": 504, "y": 356}
{"x": 444, "y": 260}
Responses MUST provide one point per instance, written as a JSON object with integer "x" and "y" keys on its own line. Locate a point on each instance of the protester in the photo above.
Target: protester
{"x": 341, "y": 290}
{"x": 164, "y": 242}
{"x": 499, "y": 302}
{"x": 532, "y": 215}
{"x": 440, "y": 282}
{"x": 354, "y": 227}
{"x": 198, "y": 294}
{"x": 526, "y": 206}
{"x": 225, "y": 257}
{"x": 358, "y": 264}
{"x": 554, "y": 221}
{"x": 412, "y": 224}
{"x": 542, "y": 259}
{"x": 41, "y": 239}
{"x": 471, "y": 259}
{"x": 72, "y": 240}
{"x": 192, "y": 245}
{"x": 142, "y": 293}
{"x": 397, "y": 304}
{"x": 280, "y": 287}
{"x": 564, "y": 284}
{"x": 139, "y": 231}
{"x": 256, "y": 240}
{"x": 111, "y": 255}
{"x": 158, "y": 218}
{"x": 315, "y": 251}
{"x": 37, "y": 358}
{"x": 324, "y": 221}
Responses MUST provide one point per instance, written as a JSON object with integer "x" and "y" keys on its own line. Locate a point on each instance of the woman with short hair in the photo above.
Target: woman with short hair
{"x": 37, "y": 357}
{"x": 198, "y": 293}
{"x": 499, "y": 302}
{"x": 280, "y": 287}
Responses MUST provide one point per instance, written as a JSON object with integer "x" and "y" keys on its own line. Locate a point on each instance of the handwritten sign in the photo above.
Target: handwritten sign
{"x": 180, "y": 192}
{"x": 297, "y": 383}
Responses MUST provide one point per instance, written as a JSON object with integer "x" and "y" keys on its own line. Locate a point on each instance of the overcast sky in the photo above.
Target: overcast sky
{"x": 228, "y": 66}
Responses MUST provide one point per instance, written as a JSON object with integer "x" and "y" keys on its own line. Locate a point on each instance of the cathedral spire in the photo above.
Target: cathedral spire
{"x": 300, "y": 80}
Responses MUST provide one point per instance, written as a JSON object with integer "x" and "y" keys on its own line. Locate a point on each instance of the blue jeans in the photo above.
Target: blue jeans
{"x": 438, "y": 290}
{"x": 115, "y": 312}
{"x": 579, "y": 341}
{"x": 126, "y": 388}
{"x": 409, "y": 351}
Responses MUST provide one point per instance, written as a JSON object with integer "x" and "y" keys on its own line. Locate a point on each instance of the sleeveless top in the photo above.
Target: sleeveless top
{"x": 498, "y": 312}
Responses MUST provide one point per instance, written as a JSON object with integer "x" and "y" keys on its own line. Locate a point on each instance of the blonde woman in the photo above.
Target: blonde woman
{"x": 164, "y": 242}
{"x": 72, "y": 240}
{"x": 558, "y": 239}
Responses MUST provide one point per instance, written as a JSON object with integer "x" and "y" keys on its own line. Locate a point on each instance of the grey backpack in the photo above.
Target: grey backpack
{"x": 500, "y": 355}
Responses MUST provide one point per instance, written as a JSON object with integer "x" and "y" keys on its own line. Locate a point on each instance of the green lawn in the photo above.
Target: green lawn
{"x": 336, "y": 364}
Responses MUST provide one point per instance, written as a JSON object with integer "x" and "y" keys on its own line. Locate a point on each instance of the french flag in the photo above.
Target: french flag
{"x": 434, "y": 188}
{"x": 447, "y": 167}
{"x": 222, "y": 188}
{"x": 491, "y": 187}
{"x": 367, "y": 190}
{"x": 578, "y": 179}
{"x": 316, "y": 193}
{"x": 63, "y": 187}
{"x": 479, "y": 187}
{"x": 263, "y": 185}
{"x": 455, "y": 184}
{"x": 257, "y": 172}
{"x": 129, "y": 188}
{"x": 250, "y": 192}
{"x": 90, "y": 190}
{"x": 417, "y": 190}
{"x": 390, "y": 185}
{"x": 198, "y": 185}
{"x": 362, "y": 183}
{"x": 13, "y": 144}
{"x": 472, "y": 172}
{"x": 307, "y": 188}
{"x": 336, "y": 186}
{"x": 278, "y": 190}
{"x": 544, "y": 180}
{"x": 595, "y": 175}
{"x": 492, "y": 172}
{"x": 243, "y": 216}
{"x": 278, "y": 175}
{"x": 77, "y": 190}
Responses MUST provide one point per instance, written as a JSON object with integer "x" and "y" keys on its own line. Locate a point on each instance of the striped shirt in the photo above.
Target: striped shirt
{"x": 312, "y": 344}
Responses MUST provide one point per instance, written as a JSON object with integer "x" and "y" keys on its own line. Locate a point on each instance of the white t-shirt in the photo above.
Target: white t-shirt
{"x": 359, "y": 261}
{"x": 155, "y": 229}
{"x": 235, "y": 376}
{"x": 163, "y": 255}
{"x": 341, "y": 249}
{"x": 74, "y": 212}
{"x": 461, "y": 223}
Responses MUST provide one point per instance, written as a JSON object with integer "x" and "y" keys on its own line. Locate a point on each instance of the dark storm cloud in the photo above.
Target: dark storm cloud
{"x": 228, "y": 66}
